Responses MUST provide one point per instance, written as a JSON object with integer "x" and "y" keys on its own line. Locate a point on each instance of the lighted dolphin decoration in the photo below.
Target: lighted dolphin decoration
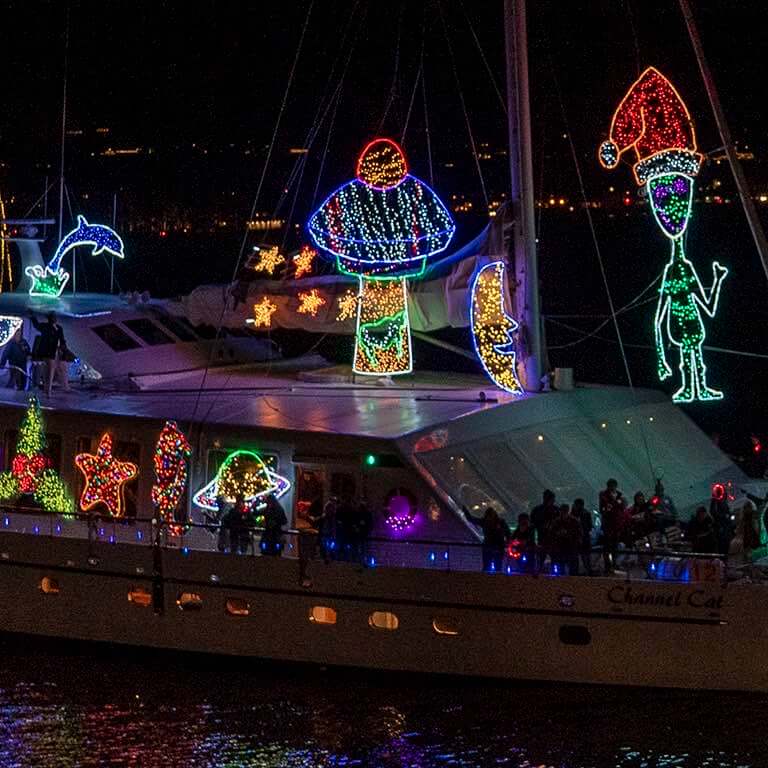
{"x": 51, "y": 279}
{"x": 492, "y": 328}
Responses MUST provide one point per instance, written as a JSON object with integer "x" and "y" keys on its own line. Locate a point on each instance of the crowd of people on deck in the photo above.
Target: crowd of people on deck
{"x": 47, "y": 360}
{"x": 563, "y": 537}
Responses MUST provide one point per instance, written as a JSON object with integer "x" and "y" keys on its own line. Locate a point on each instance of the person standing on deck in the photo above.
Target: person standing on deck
{"x": 584, "y": 516}
{"x": 50, "y": 348}
{"x": 274, "y": 520}
{"x": 15, "y": 355}
{"x": 496, "y": 534}
{"x": 612, "y": 516}
{"x": 565, "y": 533}
{"x": 542, "y": 516}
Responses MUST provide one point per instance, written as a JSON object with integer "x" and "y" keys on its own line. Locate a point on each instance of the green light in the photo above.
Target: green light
{"x": 371, "y": 460}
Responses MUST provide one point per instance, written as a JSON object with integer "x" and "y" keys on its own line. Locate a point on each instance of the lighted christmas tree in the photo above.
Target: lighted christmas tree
{"x": 31, "y": 469}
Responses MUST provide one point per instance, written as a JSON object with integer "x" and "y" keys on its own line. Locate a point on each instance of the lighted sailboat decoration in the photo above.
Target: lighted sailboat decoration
{"x": 653, "y": 121}
{"x": 50, "y": 280}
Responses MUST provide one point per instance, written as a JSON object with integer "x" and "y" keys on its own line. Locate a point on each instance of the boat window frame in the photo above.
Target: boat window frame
{"x": 127, "y": 344}
{"x": 144, "y": 330}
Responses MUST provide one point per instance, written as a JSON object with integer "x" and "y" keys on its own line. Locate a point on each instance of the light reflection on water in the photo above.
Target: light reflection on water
{"x": 82, "y": 708}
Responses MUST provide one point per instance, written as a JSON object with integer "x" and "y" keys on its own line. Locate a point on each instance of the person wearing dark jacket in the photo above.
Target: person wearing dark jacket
{"x": 565, "y": 537}
{"x": 274, "y": 520}
{"x": 15, "y": 355}
{"x": 542, "y": 516}
{"x": 584, "y": 516}
{"x": 50, "y": 347}
{"x": 701, "y": 531}
{"x": 496, "y": 534}
{"x": 522, "y": 545}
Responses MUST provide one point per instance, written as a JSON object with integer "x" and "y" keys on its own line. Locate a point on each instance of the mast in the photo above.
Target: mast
{"x": 521, "y": 171}
{"x": 748, "y": 204}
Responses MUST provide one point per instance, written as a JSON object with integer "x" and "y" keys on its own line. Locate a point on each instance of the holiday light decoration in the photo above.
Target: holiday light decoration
{"x": 400, "y": 515}
{"x": 269, "y": 260}
{"x": 31, "y": 470}
{"x": 304, "y": 260}
{"x": 492, "y": 327}
{"x": 383, "y": 225}
{"x": 105, "y": 478}
{"x": 9, "y": 324}
{"x": 171, "y": 464}
{"x": 310, "y": 302}
{"x": 6, "y": 269}
{"x": 347, "y": 305}
{"x": 653, "y": 120}
{"x": 241, "y": 473}
{"x": 50, "y": 281}
{"x": 262, "y": 313}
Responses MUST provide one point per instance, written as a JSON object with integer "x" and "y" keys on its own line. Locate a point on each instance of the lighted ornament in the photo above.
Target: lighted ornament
{"x": 269, "y": 260}
{"x": 31, "y": 470}
{"x": 242, "y": 473}
{"x": 653, "y": 121}
{"x": 171, "y": 463}
{"x": 347, "y": 305}
{"x": 310, "y": 302}
{"x": 9, "y": 324}
{"x": 400, "y": 515}
{"x": 382, "y": 226}
{"x": 492, "y": 327}
{"x": 262, "y": 313}
{"x": 304, "y": 260}
{"x": 105, "y": 478}
{"x": 50, "y": 281}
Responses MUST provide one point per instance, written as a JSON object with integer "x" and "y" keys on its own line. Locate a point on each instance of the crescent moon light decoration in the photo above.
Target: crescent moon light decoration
{"x": 492, "y": 328}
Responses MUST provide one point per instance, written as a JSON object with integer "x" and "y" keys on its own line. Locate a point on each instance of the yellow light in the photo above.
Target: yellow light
{"x": 262, "y": 313}
{"x": 383, "y": 343}
{"x": 347, "y": 305}
{"x": 310, "y": 302}
{"x": 603, "y": 426}
{"x": 540, "y": 438}
{"x": 304, "y": 260}
{"x": 269, "y": 260}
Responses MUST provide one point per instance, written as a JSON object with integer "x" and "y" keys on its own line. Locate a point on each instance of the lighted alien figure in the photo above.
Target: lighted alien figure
{"x": 653, "y": 122}
{"x": 682, "y": 298}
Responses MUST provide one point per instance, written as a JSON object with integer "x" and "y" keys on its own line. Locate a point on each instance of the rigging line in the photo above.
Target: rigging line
{"x": 289, "y": 219}
{"x": 463, "y": 103}
{"x": 40, "y": 199}
{"x": 426, "y": 125}
{"x": 631, "y": 17}
{"x": 413, "y": 97}
{"x": 244, "y": 241}
{"x": 393, "y": 88}
{"x": 488, "y": 69}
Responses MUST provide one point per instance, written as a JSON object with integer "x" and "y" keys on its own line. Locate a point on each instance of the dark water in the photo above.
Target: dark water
{"x": 79, "y": 707}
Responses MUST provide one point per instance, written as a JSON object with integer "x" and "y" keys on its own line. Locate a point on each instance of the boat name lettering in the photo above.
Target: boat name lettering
{"x": 696, "y": 599}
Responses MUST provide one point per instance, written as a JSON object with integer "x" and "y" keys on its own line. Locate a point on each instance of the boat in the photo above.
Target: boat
{"x": 416, "y": 599}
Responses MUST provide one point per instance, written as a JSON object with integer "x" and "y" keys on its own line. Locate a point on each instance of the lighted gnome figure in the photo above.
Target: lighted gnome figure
{"x": 383, "y": 226}
{"x": 653, "y": 121}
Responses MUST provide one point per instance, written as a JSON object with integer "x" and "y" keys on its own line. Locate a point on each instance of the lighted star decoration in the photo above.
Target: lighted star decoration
{"x": 262, "y": 313}
{"x": 304, "y": 260}
{"x": 105, "y": 478}
{"x": 347, "y": 306}
{"x": 269, "y": 260}
{"x": 310, "y": 302}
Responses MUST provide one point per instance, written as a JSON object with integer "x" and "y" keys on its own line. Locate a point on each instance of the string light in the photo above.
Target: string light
{"x": 653, "y": 120}
{"x": 347, "y": 305}
{"x": 262, "y": 313}
{"x": 304, "y": 261}
{"x": 241, "y": 473}
{"x": 6, "y": 269}
{"x": 310, "y": 302}
{"x": 384, "y": 224}
{"x": 401, "y": 513}
{"x": 269, "y": 260}
{"x": 31, "y": 468}
{"x": 171, "y": 464}
{"x": 492, "y": 328}
{"x": 9, "y": 324}
{"x": 50, "y": 281}
{"x": 105, "y": 478}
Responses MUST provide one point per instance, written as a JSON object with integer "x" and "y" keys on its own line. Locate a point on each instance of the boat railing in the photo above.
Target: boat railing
{"x": 659, "y": 563}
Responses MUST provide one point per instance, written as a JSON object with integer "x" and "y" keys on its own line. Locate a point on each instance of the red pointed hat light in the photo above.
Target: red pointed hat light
{"x": 652, "y": 120}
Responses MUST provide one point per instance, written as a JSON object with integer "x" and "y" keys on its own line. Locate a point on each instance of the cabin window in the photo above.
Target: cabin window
{"x": 147, "y": 331}
{"x": 178, "y": 326}
{"x": 237, "y": 607}
{"x": 49, "y": 586}
{"x": 322, "y": 614}
{"x": 445, "y": 627}
{"x": 189, "y": 601}
{"x": 572, "y": 634}
{"x": 129, "y": 451}
{"x": 383, "y": 620}
{"x": 140, "y": 596}
{"x": 115, "y": 337}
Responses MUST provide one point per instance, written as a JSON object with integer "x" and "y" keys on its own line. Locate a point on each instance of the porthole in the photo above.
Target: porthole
{"x": 140, "y": 596}
{"x": 322, "y": 614}
{"x": 383, "y": 620}
{"x": 189, "y": 601}
{"x": 49, "y": 586}
{"x": 445, "y": 627}
{"x": 237, "y": 607}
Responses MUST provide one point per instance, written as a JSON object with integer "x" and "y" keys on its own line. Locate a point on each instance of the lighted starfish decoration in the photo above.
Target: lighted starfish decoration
{"x": 310, "y": 302}
{"x": 269, "y": 260}
{"x": 304, "y": 260}
{"x": 262, "y": 313}
{"x": 105, "y": 477}
{"x": 347, "y": 306}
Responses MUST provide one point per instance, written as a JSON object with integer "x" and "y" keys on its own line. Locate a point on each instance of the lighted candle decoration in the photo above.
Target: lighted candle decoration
{"x": 653, "y": 121}
{"x": 383, "y": 226}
